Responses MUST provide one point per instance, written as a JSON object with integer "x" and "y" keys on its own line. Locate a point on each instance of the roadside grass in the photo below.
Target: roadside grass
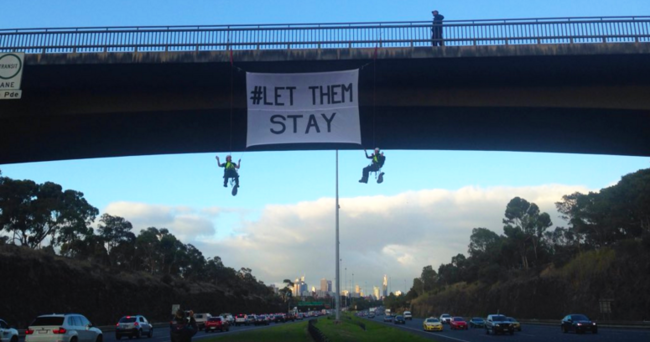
{"x": 280, "y": 333}
{"x": 348, "y": 331}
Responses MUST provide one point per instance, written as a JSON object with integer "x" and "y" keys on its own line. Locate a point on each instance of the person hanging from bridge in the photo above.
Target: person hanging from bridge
{"x": 378, "y": 160}
{"x": 436, "y": 30}
{"x": 229, "y": 171}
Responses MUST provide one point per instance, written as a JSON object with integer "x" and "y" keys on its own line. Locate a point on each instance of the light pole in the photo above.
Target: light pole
{"x": 338, "y": 271}
{"x": 346, "y": 286}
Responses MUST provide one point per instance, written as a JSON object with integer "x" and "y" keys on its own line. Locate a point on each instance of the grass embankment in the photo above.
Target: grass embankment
{"x": 346, "y": 331}
{"x": 349, "y": 331}
{"x": 280, "y": 333}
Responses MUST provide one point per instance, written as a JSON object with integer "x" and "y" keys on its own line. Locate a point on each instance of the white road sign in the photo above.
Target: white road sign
{"x": 11, "y": 72}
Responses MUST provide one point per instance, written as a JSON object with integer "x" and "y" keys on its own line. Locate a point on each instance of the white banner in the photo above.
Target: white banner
{"x": 303, "y": 108}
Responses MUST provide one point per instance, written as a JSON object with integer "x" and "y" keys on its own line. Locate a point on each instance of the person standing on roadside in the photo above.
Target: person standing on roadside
{"x": 436, "y": 30}
{"x": 182, "y": 327}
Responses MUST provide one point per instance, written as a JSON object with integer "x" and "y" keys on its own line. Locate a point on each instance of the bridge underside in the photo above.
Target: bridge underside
{"x": 573, "y": 103}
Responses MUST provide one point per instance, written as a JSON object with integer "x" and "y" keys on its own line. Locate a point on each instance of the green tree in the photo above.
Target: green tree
{"x": 525, "y": 226}
{"x": 35, "y": 212}
{"x": 116, "y": 231}
{"x": 429, "y": 277}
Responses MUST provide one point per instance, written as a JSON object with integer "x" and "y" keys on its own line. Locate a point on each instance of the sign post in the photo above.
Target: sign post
{"x": 11, "y": 73}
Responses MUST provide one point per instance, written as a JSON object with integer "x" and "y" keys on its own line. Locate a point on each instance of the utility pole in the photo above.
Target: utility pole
{"x": 338, "y": 271}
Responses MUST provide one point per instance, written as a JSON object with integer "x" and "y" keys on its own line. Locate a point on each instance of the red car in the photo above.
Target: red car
{"x": 458, "y": 323}
{"x": 216, "y": 323}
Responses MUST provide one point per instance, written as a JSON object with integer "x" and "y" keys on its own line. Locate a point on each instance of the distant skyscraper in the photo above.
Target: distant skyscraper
{"x": 300, "y": 287}
{"x": 329, "y": 286}
{"x": 385, "y": 286}
{"x": 357, "y": 289}
{"x": 375, "y": 291}
{"x": 323, "y": 285}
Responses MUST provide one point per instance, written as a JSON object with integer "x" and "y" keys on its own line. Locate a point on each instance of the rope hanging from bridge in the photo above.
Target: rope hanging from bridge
{"x": 374, "y": 94}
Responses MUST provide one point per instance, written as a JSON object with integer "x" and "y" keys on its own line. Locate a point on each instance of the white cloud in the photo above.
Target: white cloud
{"x": 394, "y": 235}
{"x": 184, "y": 222}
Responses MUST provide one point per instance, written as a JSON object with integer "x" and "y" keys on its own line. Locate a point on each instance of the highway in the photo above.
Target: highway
{"x": 529, "y": 333}
{"x": 162, "y": 334}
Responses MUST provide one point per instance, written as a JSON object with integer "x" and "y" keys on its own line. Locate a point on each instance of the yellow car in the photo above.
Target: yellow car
{"x": 432, "y": 324}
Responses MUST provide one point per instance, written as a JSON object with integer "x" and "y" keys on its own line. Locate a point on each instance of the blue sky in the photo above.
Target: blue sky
{"x": 422, "y": 214}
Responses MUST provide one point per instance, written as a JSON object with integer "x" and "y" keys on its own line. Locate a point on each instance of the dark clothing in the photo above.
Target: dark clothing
{"x": 367, "y": 170}
{"x": 230, "y": 171}
{"x": 182, "y": 330}
{"x": 436, "y": 30}
{"x": 377, "y": 163}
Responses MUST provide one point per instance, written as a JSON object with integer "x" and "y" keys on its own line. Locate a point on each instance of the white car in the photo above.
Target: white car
{"x": 7, "y": 334}
{"x": 408, "y": 315}
{"x": 445, "y": 318}
{"x": 229, "y": 318}
{"x": 62, "y": 328}
{"x": 201, "y": 318}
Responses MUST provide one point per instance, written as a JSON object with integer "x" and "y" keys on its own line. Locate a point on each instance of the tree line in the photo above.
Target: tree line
{"x": 616, "y": 217}
{"x": 45, "y": 216}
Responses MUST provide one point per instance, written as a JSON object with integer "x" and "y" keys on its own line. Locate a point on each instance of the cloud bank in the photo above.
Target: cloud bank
{"x": 393, "y": 235}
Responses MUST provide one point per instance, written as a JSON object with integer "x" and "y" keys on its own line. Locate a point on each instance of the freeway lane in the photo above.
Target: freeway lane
{"x": 529, "y": 333}
{"x": 162, "y": 334}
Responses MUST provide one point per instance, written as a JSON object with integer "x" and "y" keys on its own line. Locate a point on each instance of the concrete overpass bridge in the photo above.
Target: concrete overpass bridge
{"x": 578, "y": 85}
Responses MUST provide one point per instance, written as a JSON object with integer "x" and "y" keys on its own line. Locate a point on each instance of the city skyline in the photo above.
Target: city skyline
{"x": 301, "y": 288}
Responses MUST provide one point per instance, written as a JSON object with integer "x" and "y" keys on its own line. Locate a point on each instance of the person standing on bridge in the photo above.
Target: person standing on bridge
{"x": 378, "y": 160}
{"x": 436, "y": 30}
{"x": 182, "y": 327}
{"x": 229, "y": 170}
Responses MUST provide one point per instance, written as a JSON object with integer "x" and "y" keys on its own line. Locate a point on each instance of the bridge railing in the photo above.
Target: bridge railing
{"x": 534, "y": 31}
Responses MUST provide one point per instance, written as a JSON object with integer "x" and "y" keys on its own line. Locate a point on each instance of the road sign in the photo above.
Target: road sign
{"x": 10, "y": 94}
{"x": 11, "y": 73}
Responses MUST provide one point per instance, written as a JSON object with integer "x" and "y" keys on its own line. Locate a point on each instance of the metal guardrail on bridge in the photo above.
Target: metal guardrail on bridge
{"x": 534, "y": 31}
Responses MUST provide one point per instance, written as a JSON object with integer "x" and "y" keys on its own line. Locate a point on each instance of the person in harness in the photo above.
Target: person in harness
{"x": 182, "y": 327}
{"x": 229, "y": 171}
{"x": 378, "y": 160}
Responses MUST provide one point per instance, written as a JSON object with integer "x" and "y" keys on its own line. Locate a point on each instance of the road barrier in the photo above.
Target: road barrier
{"x": 530, "y": 31}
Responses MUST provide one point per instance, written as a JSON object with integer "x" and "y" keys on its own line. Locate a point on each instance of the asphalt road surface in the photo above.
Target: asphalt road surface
{"x": 529, "y": 333}
{"x": 162, "y": 334}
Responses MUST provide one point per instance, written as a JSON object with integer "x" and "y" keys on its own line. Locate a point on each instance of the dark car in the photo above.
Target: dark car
{"x": 279, "y": 318}
{"x": 578, "y": 323}
{"x": 399, "y": 319}
{"x": 497, "y": 324}
{"x": 477, "y": 322}
{"x": 216, "y": 323}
